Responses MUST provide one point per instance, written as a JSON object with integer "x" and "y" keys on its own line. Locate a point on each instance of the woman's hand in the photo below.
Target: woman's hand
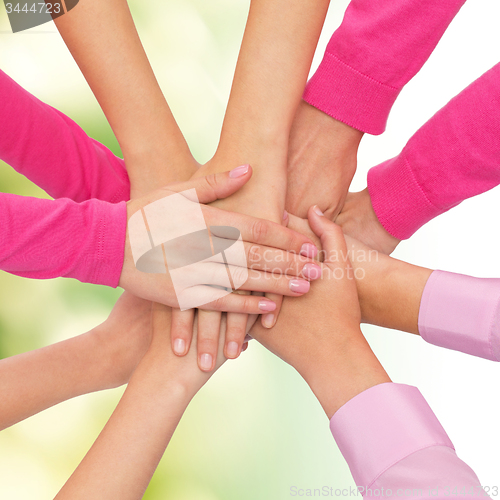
{"x": 262, "y": 240}
{"x": 319, "y": 334}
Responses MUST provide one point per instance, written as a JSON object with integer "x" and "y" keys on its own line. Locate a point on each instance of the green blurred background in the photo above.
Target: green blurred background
{"x": 255, "y": 430}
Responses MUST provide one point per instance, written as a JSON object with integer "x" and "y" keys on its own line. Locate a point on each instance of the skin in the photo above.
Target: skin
{"x": 328, "y": 350}
{"x": 257, "y": 124}
{"x": 102, "y": 358}
{"x": 389, "y": 289}
{"x": 159, "y": 287}
{"x": 140, "y": 428}
{"x": 358, "y": 219}
{"x": 322, "y": 158}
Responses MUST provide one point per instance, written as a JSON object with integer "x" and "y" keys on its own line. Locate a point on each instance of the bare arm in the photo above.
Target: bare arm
{"x": 100, "y": 359}
{"x": 116, "y": 67}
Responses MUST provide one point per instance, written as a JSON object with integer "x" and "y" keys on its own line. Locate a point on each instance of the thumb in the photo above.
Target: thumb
{"x": 216, "y": 186}
{"x": 331, "y": 236}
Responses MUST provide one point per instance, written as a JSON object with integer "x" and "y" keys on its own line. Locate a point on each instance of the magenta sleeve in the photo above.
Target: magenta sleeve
{"x": 391, "y": 439}
{"x": 454, "y": 156}
{"x": 45, "y": 239}
{"x": 374, "y": 53}
{"x": 461, "y": 313}
{"x": 52, "y": 151}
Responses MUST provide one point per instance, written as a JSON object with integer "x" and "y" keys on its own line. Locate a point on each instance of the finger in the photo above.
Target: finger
{"x": 264, "y": 258}
{"x": 216, "y": 275}
{"x": 269, "y": 320}
{"x": 302, "y": 226}
{"x": 261, "y": 231}
{"x": 208, "y": 338}
{"x": 215, "y": 186}
{"x": 331, "y": 236}
{"x": 236, "y": 325}
{"x": 234, "y": 302}
{"x": 182, "y": 330}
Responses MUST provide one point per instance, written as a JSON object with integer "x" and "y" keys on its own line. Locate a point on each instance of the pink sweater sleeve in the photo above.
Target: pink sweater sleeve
{"x": 54, "y": 152}
{"x": 374, "y": 53}
{"x": 51, "y": 238}
{"x": 454, "y": 156}
{"x": 461, "y": 313}
{"x": 392, "y": 440}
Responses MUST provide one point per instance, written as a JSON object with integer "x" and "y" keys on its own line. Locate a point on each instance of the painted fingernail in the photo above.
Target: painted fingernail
{"x": 179, "y": 346}
{"x": 245, "y": 347}
{"x": 268, "y": 320}
{"x": 299, "y": 286}
{"x": 238, "y": 171}
{"x": 308, "y": 250}
{"x": 206, "y": 362}
{"x": 317, "y": 210}
{"x": 311, "y": 271}
{"x": 267, "y": 305}
{"x": 285, "y": 215}
{"x": 232, "y": 349}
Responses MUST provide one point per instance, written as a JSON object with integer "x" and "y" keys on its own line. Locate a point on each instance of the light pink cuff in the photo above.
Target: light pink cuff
{"x": 350, "y": 96}
{"x": 383, "y": 425}
{"x": 399, "y": 202}
{"x": 462, "y": 313}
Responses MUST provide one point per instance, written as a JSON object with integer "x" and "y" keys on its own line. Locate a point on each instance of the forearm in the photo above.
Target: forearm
{"x": 389, "y": 290}
{"x": 275, "y": 57}
{"x": 34, "y": 381}
{"x": 115, "y": 65}
{"x": 126, "y": 453}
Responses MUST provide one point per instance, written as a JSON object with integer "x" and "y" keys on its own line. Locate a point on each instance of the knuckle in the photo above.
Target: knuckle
{"x": 212, "y": 183}
{"x": 260, "y": 230}
{"x": 254, "y": 254}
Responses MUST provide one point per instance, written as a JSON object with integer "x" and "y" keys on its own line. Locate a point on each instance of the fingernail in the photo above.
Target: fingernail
{"x": 232, "y": 349}
{"x": 311, "y": 271}
{"x": 206, "y": 362}
{"x": 268, "y": 320}
{"x": 308, "y": 250}
{"x": 285, "y": 215}
{"x": 267, "y": 305}
{"x": 245, "y": 347}
{"x": 299, "y": 286}
{"x": 179, "y": 346}
{"x": 238, "y": 171}
{"x": 317, "y": 210}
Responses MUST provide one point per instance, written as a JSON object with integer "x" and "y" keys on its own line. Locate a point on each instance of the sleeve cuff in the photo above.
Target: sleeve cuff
{"x": 104, "y": 262}
{"x": 397, "y": 199}
{"x": 350, "y": 96}
{"x": 461, "y": 313}
{"x": 383, "y": 425}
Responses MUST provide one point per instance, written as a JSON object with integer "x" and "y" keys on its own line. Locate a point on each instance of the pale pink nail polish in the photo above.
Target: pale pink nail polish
{"x": 267, "y": 305}
{"x": 206, "y": 362}
{"x": 239, "y": 171}
{"x": 179, "y": 346}
{"x": 232, "y": 349}
{"x": 299, "y": 286}
{"x": 317, "y": 210}
{"x": 311, "y": 271}
{"x": 268, "y": 320}
{"x": 308, "y": 250}
{"x": 285, "y": 215}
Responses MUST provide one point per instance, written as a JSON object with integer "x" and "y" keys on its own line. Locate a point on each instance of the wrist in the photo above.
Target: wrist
{"x": 337, "y": 377}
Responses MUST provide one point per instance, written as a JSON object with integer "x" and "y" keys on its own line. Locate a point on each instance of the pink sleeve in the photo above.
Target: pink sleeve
{"x": 454, "y": 156}
{"x": 374, "y": 53}
{"x": 392, "y": 440}
{"x": 45, "y": 239}
{"x": 54, "y": 152}
{"x": 461, "y": 313}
